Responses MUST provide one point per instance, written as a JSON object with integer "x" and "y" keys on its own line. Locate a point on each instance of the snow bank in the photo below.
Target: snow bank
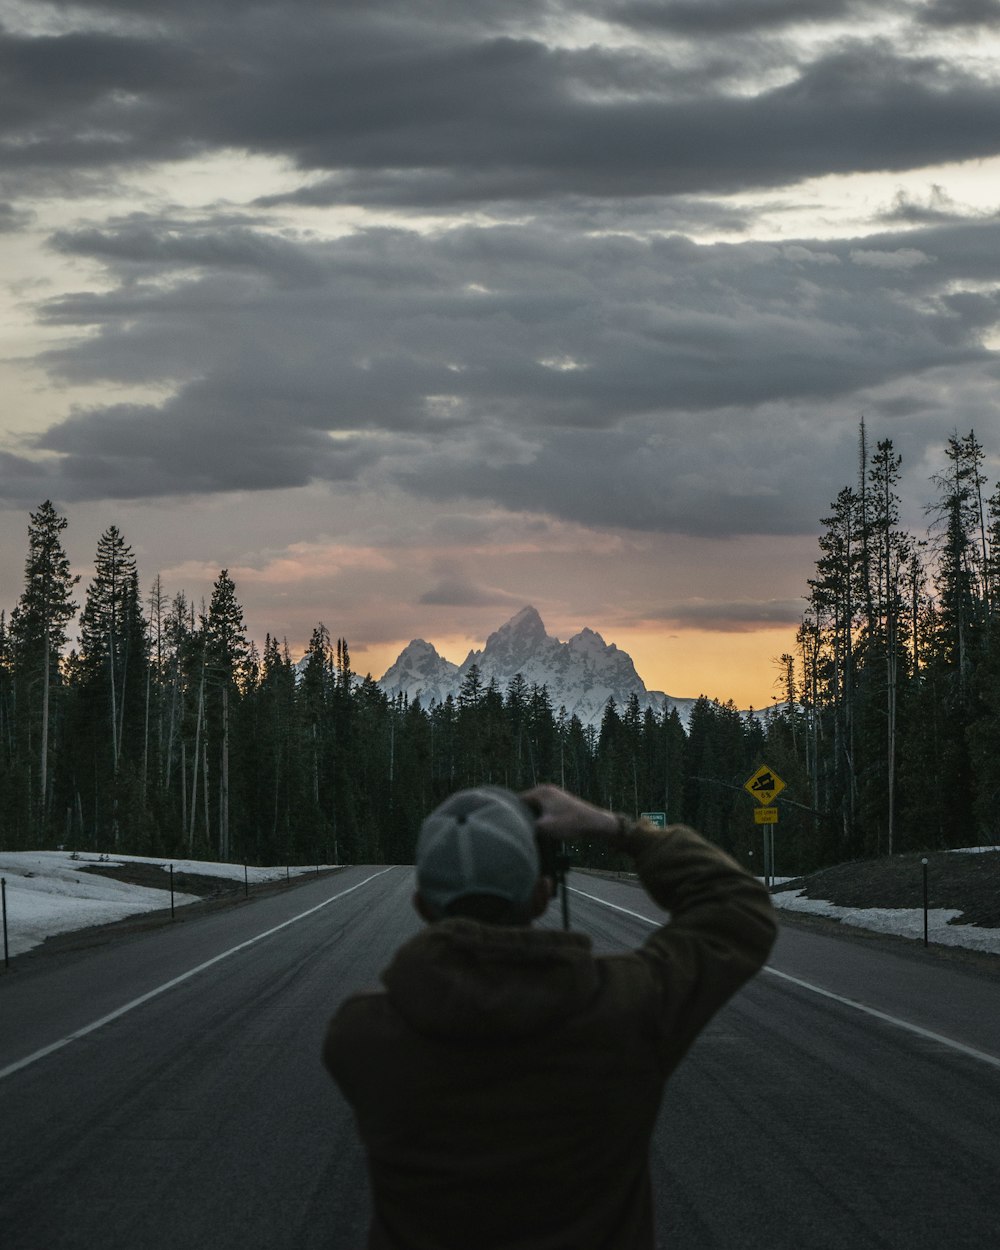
{"x": 902, "y": 921}
{"x": 47, "y": 893}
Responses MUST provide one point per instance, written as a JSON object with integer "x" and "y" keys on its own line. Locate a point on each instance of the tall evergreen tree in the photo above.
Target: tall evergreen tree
{"x": 226, "y": 652}
{"x": 110, "y": 696}
{"x": 38, "y": 634}
{"x": 113, "y": 641}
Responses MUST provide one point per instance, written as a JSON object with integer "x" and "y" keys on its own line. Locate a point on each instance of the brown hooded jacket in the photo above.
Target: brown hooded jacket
{"x": 507, "y": 1082}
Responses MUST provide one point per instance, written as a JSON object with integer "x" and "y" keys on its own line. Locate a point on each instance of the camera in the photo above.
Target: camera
{"x": 554, "y": 858}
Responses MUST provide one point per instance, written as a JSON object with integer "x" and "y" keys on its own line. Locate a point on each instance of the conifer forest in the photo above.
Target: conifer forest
{"x": 161, "y": 729}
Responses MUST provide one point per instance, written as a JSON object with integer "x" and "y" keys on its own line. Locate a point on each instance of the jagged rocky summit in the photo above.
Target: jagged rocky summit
{"x": 580, "y": 675}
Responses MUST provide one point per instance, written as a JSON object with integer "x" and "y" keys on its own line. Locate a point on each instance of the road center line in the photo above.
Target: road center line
{"x": 981, "y": 1055}
{"x": 169, "y": 985}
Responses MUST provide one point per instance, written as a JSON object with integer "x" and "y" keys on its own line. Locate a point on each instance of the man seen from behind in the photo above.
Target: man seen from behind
{"x": 507, "y": 1081}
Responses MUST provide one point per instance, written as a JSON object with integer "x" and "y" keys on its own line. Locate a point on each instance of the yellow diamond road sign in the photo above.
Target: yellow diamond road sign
{"x": 765, "y": 785}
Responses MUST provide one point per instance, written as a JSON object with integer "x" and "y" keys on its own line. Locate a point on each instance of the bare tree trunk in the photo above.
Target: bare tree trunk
{"x": 184, "y": 790}
{"x": 43, "y": 773}
{"x": 197, "y": 747}
{"x": 170, "y": 730}
{"x": 891, "y": 753}
{"x": 315, "y": 766}
{"x": 114, "y": 701}
{"x": 224, "y": 788}
{"x": 145, "y": 732}
{"x": 204, "y": 778}
{"x": 121, "y": 703}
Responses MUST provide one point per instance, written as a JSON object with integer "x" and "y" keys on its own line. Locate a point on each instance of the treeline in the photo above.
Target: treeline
{"x": 893, "y": 698}
{"x": 165, "y": 731}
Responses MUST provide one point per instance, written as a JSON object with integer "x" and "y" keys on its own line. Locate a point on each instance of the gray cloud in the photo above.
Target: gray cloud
{"x": 705, "y": 17}
{"x": 609, "y": 380}
{"x": 589, "y": 359}
{"x": 859, "y": 108}
{"x": 456, "y": 590}
{"x": 952, "y": 13}
{"x": 743, "y": 616}
{"x": 404, "y": 105}
{"x": 12, "y": 218}
{"x": 936, "y": 208}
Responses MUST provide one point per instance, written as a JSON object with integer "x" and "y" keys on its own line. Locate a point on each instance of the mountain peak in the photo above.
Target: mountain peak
{"x": 420, "y": 672}
{"x": 525, "y": 625}
{"x": 527, "y": 618}
{"x": 589, "y": 642}
{"x": 580, "y": 675}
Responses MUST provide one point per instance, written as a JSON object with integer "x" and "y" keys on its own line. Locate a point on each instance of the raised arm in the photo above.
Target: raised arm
{"x": 722, "y": 923}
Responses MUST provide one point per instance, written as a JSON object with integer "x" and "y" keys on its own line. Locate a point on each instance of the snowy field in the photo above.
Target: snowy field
{"x": 48, "y": 894}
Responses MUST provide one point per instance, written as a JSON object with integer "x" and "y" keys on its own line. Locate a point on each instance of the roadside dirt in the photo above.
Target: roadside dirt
{"x": 156, "y": 878}
{"x": 969, "y": 884}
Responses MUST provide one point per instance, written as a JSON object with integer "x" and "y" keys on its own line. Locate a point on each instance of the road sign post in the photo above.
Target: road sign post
{"x": 3, "y": 908}
{"x": 923, "y": 864}
{"x": 765, "y": 785}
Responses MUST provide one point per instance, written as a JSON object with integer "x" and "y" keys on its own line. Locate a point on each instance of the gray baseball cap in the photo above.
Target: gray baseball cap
{"x": 479, "y": 841}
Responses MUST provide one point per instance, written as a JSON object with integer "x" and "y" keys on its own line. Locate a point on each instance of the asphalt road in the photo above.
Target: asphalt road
{"x": 849, "y": 1097}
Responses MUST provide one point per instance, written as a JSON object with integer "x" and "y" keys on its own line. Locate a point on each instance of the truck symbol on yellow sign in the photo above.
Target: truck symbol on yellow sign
{"x": 765, "y": 785}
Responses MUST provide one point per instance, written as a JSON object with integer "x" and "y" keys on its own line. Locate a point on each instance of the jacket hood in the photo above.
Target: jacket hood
{"x": 461, "y": 979}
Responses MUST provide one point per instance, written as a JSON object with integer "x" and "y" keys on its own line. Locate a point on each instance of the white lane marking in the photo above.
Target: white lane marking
{"x": 881, "y": 1015}
{"x": 169, "y": 985}
{"x": 614, "y": 906}
{"x": 981, "y": 1055}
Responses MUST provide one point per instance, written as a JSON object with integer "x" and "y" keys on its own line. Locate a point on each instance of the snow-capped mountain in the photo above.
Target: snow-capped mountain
{"x": 420, "y": 672}
{"x": 581, "y": 674}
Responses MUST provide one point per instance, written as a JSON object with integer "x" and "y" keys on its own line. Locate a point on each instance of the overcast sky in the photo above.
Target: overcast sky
{"x": 410, "y": 314}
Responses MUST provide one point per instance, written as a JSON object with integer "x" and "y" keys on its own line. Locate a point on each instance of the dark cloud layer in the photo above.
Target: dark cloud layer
{"x": 561, "y": 341}
{"x": 954, "y": 13}
{"x": 403, "y": 110}
{"x": 609, "y": 379}
{"x": 736, "y": 617}
{"x": 455, "y": 590}
{"x": 712, "y": 17}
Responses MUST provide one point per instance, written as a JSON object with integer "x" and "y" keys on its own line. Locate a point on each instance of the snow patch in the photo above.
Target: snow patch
{"x": 48, "y": 893}
{"x": 901, "y": 921}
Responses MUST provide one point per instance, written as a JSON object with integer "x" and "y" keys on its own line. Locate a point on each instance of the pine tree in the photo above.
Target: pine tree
{"x": 38, "y": 633}
{"x": 226, "y": 653}
{"x": 833, "y": 599}
{"x": 470, "y": 727}
{"x": 112, "y": 635}
{"x": 110, "y": 695}
{"x": 894, "y": 550}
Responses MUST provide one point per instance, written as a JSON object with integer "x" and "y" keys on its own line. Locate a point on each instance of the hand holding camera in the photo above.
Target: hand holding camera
{"x": 564, "y": 817}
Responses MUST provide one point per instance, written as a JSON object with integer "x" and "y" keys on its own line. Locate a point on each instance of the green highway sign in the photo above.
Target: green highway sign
{"x": 659, "y": 819}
